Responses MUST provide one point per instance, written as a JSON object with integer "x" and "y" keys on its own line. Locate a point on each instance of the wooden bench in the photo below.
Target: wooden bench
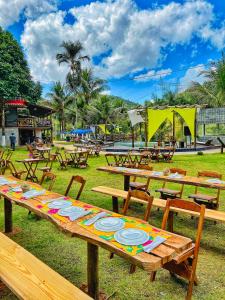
{"x": 210, "y": 214}
{"x": 29, "y": 278}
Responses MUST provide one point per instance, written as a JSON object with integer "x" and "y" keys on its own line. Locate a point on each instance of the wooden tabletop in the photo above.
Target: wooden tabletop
{"x": 189, "y": 180}
{"x": 174, "y": 245}
{"x": 28, "y": 160}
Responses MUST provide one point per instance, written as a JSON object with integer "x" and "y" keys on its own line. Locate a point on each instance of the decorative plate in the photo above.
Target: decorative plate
{"x": 109, "y": 224}
{"x": 71, "y": 210}
{"x": 59, "y": 204}
{"x": 131, "y": 237}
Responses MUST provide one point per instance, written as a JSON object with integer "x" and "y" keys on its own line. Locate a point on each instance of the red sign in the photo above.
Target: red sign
{"x": 17, "y": 102}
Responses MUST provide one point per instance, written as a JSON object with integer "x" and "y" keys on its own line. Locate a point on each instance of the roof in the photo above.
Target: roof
{"x": 35, "y": 109}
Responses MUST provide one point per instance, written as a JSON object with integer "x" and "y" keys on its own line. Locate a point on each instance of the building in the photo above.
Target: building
{"x": 26, "y": 121}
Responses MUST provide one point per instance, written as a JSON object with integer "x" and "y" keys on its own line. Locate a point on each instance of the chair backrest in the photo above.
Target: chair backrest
{"x": 144, "y": 167}
{"x": 191, "y": 206}
{"x": 51, "y": 177}
{"x": 178, "y": 170}
{"x": 210, "y": 174}
{"x": 142, "y": 195}
{"x": 12, "y": 168}
{"x": 78, "y": 179}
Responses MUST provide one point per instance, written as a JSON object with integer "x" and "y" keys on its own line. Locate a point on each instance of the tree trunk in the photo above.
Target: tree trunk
{"x": 3, "y": 122}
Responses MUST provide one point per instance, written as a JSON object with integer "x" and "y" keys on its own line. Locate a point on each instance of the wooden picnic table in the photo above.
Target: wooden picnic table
{"x": 188, "y": 180}
{"x": 164, "y": 253}
{"x": 30, "y": 165}
{"x": 75, "y": 156}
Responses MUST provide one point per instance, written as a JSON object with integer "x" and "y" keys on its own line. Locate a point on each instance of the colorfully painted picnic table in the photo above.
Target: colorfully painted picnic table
{"x": 167, "y": 251}
{"x": 188, "y": 180}
{"x": 31, "y": 166}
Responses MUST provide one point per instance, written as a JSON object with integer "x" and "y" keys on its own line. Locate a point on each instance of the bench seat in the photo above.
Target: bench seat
{"x": 210, "y": 214}
{"x": 29, "y": 278}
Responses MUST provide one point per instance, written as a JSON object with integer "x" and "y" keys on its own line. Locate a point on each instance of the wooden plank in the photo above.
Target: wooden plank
{"x": 31, "y": 279}
{"x": 210, "y": 214}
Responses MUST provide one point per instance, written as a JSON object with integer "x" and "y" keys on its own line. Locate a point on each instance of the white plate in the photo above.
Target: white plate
{"x": 109, "y": 224}
{"x": 155, "y": 173}
{"x": 131, "y": 237}
{"x": 59, "y": 204}
{"x": 71, "y": 210}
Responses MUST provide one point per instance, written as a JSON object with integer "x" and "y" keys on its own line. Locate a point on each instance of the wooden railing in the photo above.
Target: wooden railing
{"x": 31, "y": 122}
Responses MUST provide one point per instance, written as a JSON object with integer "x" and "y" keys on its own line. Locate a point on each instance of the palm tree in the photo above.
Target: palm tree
{"x": 91, "y": 87}
{"x": 73, "y": 58}
{"x": 60, "y": 101}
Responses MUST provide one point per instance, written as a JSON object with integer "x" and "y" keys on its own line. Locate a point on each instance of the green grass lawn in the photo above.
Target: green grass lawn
{"x": 68, "y": 255}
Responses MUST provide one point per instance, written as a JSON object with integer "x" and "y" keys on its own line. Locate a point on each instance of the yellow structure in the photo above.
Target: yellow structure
{"x": 157, "y": 116}
{"x": 103, "y": 128}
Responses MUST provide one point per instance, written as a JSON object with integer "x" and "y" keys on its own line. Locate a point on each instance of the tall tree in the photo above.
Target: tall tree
{"x": 73, "y": 58}
{"x": 60, "y": 101}
{"x": 15, "y": 78}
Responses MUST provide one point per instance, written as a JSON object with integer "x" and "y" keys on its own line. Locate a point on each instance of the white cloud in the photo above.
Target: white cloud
{"x": 191, "y": 75}
{"x": 129, "y": 39}
{"x": 153, "y": 75}
{"x": 10, "y": 10}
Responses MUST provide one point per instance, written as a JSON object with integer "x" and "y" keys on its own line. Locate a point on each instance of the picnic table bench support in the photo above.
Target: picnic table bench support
{"x": 8, "y": 215}
{"x": 115, "y": 204}
{"x": 92, "y": 271}
{"x": 126, "y": 182}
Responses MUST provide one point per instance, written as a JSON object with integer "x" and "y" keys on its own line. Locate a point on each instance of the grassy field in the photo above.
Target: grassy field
{"x": 68, "y": 255}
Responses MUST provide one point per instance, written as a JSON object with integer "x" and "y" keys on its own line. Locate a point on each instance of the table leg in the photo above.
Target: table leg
{"x": 115, "y": 204}
{"x": 92, "y": 271}
{"x": 126, "y": 182}
{"x": 8, "y": 215}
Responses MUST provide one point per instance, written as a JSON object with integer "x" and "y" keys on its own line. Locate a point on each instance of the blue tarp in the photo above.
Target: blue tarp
{"x": 80, "y": 131}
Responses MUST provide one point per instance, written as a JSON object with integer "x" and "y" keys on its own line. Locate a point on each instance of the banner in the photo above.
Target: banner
{"x": 103, "y": 128}
{"x": 135, "y": 117}
{"x": 157, "y": 116}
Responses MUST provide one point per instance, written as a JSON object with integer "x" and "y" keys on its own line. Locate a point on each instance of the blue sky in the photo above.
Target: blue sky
{"x": 142, "y": 47}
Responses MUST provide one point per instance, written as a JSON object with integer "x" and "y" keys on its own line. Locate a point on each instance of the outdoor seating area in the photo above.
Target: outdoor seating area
{"x": 112, "y": 138}
{"x": 38, "y": 179}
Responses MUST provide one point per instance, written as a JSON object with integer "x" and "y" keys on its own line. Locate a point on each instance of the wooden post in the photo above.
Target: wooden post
{"x": 8, "y": 215}
{"x": 146, "y": 127}
{"x": 92, "y": 271}
{"x": 132, "y": 130}
{"x": 174, "y": 131}
{"x": 126, "y": 182}
{"x": 115, "y": 204}
{"x": 195, "y": 137}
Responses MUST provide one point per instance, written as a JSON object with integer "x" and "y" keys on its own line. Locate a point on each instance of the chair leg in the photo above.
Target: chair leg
{"x": 190, "y": 289}
{"x": 111, "y": 255}
{"x": 132, "y": 269}
{"x": 152, "y": 276}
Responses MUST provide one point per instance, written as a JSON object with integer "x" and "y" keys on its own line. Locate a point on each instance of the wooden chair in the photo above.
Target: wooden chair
{"x": 33, "y": 152}
{"x": 49, "y": 164}
{"x": 14, "y": 171}
{"x": 110, "y": 159}
{"x": 82, "y": 159}
{"x": 50, "y": 176}
{"x": 142, "y": 195}
{"x": 168, "y": 154}
{"x": 166, "y": 193}
{"x": 62, "y": 161}
{"x": 211, "y": 201}
{"x": 78, "y": 179}
{"x": 122, "y": 160}
{"x": 145, "y": 158}
{"x": 185, "y": 263}
{"x": 134, "y": 185}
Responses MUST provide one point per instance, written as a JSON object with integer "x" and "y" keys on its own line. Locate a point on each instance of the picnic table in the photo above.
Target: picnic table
{"x": 188, "y": 180}
{"x": 30, "y": 165}
{"x": 44, "y": 152}
{"x": 156, "y": 259}
{"x": 76, "y": 156}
